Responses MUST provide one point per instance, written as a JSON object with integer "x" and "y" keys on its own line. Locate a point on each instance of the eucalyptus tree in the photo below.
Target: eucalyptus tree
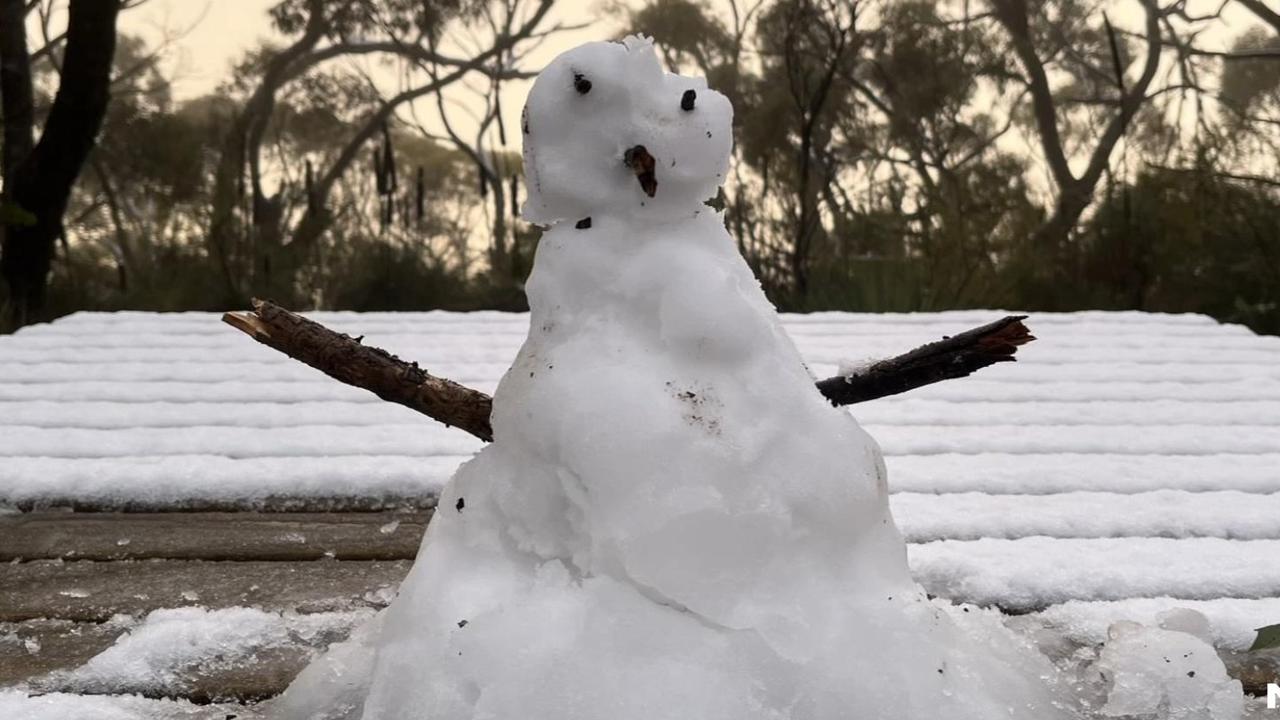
{"x": 868, "y": 143}
{"x": 261, "y": 238}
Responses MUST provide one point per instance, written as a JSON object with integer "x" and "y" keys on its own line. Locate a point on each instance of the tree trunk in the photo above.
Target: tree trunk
{"x": 41, "y": 182}
{"x": 15, "y": 87}
{"x": 241, "y": 147}
{"x": 1052, "y": 242}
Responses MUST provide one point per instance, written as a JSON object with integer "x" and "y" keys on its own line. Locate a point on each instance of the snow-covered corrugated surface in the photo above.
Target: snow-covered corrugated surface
{"x": 1126, "y": 455}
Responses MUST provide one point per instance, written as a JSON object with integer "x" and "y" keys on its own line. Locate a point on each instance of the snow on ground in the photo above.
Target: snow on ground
{"x": 1232, "y": 621}
{"x": 1127, "y": 464}
{"x": 1033, "y": 572}
{"x": 160, "y": 656}
{"x": 60, "y": 706}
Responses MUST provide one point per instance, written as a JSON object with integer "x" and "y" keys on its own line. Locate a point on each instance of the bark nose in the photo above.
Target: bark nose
{"x": 642, "y": 164}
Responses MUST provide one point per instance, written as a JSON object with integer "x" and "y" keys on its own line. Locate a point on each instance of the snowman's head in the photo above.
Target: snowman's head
{"x": 607, "y": 131}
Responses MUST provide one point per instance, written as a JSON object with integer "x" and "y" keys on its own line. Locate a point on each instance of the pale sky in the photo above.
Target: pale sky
{"x": 208, "y": 36}
{"x": 211, "y": 34}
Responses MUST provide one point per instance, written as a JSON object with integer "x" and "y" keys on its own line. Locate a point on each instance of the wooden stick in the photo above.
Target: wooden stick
{"x": 348, "y": 360}
{"x": 344, "y": 358}
{"x": 948, "y": 358}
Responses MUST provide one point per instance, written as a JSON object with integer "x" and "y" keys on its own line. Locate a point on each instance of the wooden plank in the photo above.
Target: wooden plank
{"x": 212, "y": 536}
{"x": 35, "y": 647}
{"x": 375, "y": 501}
{"x": 89, "y": 591}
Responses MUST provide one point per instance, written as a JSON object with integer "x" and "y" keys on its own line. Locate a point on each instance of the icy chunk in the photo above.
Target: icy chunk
{"x": 1166, "y": 674}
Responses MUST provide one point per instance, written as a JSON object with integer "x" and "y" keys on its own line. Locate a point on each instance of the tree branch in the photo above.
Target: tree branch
{"x": 1013, "y": 15}
{"x": 314, "y": 222}
{"x": 1264, "y": 13}
{"x": 344, "y": 358}
{"x": 946, "y": 359}
{"x": 16, "y": 93}
{"x": 348, "y": 360}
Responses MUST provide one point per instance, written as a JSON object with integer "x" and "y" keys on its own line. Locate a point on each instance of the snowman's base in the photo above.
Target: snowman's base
{"x": 271, "y": 573}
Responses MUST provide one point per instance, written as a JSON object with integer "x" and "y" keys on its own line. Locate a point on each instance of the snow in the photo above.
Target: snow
{"x": 1048, "y": 473}
{"x": 236, "y": 442}
{"x": 178, "y": 481}
{"x": 17, "y": 705}
{"x": 1162, "y": 513}
{"x": 1034, "y": 572}
{"x": 1166, "y": 671}
{"x": 160, "y": 655}
{"x": 670, "y": 522}
{"x": 1233, "y": 622}
{"x": 431, "y": 440}
{"x": 990, "y": 488}
{"x": 107, "y": 415}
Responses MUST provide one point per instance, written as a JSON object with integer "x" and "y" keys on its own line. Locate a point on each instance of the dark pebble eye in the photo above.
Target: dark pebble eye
{"x": 581, "y": 83}
{"x": 687, "y": 100}
{"x": 584, "y": 224}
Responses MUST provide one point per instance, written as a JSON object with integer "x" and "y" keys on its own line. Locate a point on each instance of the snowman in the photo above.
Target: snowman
{"x": 671, "y": 522}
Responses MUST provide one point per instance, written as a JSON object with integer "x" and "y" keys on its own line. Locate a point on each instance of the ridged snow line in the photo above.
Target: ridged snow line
{"x": 1127, "y": 462}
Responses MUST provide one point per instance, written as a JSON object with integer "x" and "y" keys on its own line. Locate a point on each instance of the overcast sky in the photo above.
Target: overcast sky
{"x": 209, "y": 35}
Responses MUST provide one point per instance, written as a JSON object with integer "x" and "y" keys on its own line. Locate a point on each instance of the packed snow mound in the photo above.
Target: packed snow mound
{"x": 589, "y": 111}
{"x": 671, "y": 522}
{"x": 636, "y": 543}
{"x": 1169, "y": 672}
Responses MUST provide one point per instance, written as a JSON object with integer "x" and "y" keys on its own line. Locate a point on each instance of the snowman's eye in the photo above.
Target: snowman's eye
{"x": 687, "y": 100}
{"x": 581, "y": 84}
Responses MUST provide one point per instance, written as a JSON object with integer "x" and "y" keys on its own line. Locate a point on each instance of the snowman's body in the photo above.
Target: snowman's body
{"x": 671, "y": 521}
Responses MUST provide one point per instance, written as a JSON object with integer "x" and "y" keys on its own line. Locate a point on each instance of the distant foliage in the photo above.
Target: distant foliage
{"x": 1185, "y": 241}
{"x": 890, "y": 156}
{"x": 894, "y": 156}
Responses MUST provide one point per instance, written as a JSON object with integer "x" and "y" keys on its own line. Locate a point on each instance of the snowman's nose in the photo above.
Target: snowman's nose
{"x": 642, "y": 164}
